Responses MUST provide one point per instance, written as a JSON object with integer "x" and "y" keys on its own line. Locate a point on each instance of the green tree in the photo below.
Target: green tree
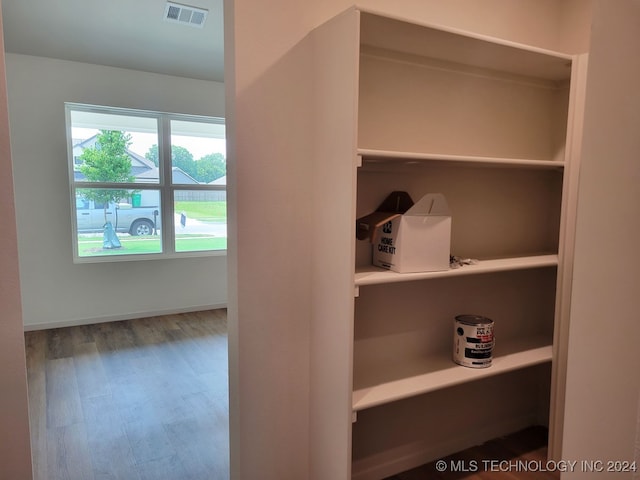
{"x": 205, "y": 170}
{"x": 180, "y": 157}
{"x": 210, "y": 167}
{"x": 107, "y": 161}
{"x": 183, "y": 159}
{"x": 153, "y": 155}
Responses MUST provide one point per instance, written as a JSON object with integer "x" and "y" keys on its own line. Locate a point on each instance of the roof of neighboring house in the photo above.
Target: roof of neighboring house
{"x": 180, "y": 176}
{"x": 219, "y": 181}
{"x": 137, "y": 161}
{"x": 143, "y": 169}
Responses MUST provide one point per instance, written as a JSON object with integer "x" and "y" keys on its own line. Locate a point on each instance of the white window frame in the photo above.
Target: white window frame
{"x": 165, "y": 186}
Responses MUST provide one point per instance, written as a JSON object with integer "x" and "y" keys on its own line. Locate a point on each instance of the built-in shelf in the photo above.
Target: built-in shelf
{"x": 374, "y": 275}
{"x": 386, "y": 156}
{"x": 374, "y": 386}
{"x": 464, "y": 48}
{"x": 491, "y": 125}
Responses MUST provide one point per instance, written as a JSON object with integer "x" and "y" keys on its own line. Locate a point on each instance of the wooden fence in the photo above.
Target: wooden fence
{"x": 200, "y": 195}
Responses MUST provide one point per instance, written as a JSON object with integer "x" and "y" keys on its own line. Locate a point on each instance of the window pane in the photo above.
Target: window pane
{"x": 200, "y": 220}
{"x": 114, "y": 148}
{"x": 198, "y": 152}
{"x": 117, "y": 222}
{"x": 123, "y": 168}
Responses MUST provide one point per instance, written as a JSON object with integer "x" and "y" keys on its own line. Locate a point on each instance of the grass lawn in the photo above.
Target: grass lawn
{"x": 92, "y": 246}
{"x": 196, "y": 243}
{"x": 203, "y": 211}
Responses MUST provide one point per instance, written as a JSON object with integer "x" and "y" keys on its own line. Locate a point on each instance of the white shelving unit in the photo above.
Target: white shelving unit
{"x": 371, "y": 275}
{"x": 379, "y": 156}
{"x": 438, "y": 372}
{"x": 380, "y": 384}
{"x": 490, "y": 124}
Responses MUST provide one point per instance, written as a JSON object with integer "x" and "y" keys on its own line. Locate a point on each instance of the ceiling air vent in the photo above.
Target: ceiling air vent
{"x": 192, "y": 16}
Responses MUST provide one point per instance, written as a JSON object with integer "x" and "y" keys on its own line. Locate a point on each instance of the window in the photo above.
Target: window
{"x": 145, "y": 184}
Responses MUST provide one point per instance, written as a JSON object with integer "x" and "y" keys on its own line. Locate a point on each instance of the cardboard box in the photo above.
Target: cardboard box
{"x": 417, "y": 239}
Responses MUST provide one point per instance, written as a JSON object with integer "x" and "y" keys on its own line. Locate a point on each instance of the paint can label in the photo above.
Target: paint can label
{"x": 473, "y": 341}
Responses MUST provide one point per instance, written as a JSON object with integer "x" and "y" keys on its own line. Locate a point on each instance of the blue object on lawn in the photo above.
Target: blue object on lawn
{"x": 110, "y": 239}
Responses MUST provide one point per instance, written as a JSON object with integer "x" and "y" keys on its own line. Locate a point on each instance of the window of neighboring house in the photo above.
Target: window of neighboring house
{"x": 145, "y": 184}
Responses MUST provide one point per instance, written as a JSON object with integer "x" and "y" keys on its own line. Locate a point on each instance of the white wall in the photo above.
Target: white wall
{"x": 56, "y": 292}
{"x": 268, "y": 83}
{"x": 15, "y": 450}
{"x": 603, "y": 371}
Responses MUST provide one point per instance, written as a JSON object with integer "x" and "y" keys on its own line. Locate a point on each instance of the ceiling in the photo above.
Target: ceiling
{"x": 128, "y": 34}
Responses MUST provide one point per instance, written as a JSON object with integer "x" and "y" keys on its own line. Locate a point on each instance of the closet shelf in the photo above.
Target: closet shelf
{"x": 399, "y": 157}
{"x": 389, "y": 383}
{"x": 374, "y": 275}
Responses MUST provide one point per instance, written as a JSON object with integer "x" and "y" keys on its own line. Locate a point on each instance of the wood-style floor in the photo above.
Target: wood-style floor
{"x": 520, "y": 456}
{"x": 131, "y": 400}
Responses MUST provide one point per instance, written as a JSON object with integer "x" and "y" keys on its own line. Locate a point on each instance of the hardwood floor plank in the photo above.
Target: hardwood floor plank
{"x": 59, "y": 343}
{"x": 203, "y": 448}
{"x": 165, "y": 468}
{"x": 90, "y": 375}
{"x": 82, "y": 334}
{"x": 62, "y": 397}
{"x": 109, "y": 447}
{"x": 36, "y": 344}
{"x": 68, "y": 454}
{"x": 197, "y": 352}
{"x": 520, "y": 456}
{"x": 149, "y": 441}
{"x": 148, "y": 331}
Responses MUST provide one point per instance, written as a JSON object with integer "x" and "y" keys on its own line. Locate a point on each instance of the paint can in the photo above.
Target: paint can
{"x": 473, "y": 341}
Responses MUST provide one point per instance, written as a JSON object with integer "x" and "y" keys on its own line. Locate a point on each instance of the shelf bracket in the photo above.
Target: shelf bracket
{"x": 354, "y": 416}
{"x": 356, "y": 291}
{"x": 358, "y": 161}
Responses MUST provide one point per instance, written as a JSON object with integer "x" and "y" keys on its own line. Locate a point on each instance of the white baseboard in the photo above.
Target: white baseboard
{"x": 406, "y": 457}
{"x": 119, "y": 317}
